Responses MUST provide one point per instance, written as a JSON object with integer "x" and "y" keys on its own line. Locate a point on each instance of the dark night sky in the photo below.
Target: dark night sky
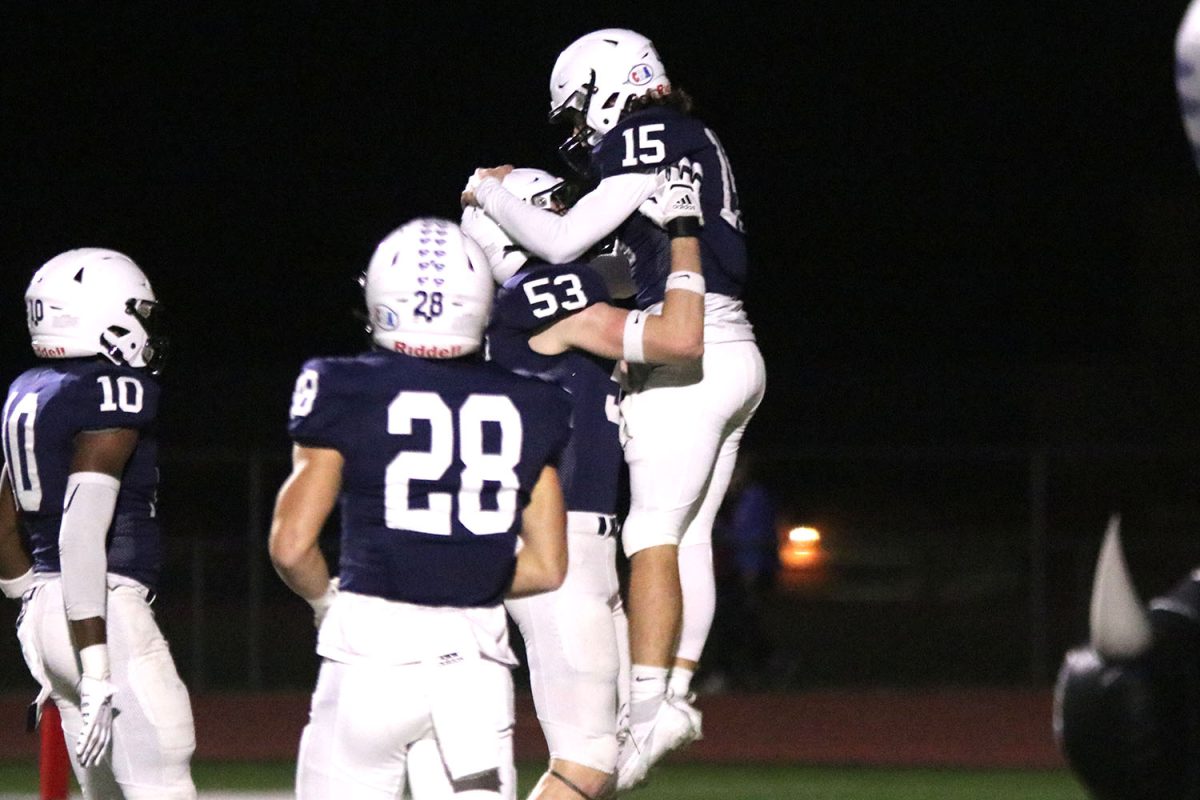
{"x": 948, "y": 202}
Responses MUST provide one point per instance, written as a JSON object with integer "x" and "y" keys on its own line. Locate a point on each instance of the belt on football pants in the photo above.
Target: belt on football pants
{"x": 592, "y": 524}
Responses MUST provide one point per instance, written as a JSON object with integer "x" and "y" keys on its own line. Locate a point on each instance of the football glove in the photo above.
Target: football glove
{"x": 96, "y": 717}
{"x": 675, "y": 205}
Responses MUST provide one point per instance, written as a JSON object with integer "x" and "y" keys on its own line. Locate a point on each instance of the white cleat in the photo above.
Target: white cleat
{"x": 677, "y": 723}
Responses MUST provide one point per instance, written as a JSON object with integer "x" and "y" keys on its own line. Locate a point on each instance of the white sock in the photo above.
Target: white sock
{"x": 699, "y": 599}
{"x": 647, "y": 688}
{"x": 680, "y": 682}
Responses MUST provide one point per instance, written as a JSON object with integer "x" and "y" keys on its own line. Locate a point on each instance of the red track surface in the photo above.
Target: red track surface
{"x": 939, "y": 727}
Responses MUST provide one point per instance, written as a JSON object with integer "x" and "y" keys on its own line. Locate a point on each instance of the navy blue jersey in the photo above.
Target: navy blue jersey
{"x": 46, "y": 407}
{"x": 440, "y": 459}
{"x": 529, "y": 301}
{"x": 655, "y": 136}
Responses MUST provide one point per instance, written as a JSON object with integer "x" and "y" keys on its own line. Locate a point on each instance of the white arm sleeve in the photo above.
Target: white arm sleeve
{"x": 90, "y": 500}
{"x": 561, "y": 239}
{"x": 1187, "y": 73}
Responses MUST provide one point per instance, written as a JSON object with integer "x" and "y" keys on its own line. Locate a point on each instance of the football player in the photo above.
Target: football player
{"x": 683, "y": 422}
{"x": 79, "y": 488}
{"x": 1127, "y": 705}
{"x": 554, "y": 322}
{"x": 445, "y": 469}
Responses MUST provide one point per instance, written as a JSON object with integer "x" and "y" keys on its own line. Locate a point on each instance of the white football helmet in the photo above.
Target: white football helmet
{"x": 595, "y": 79}
{"x": 93, "y": 301}
{"x": 534, "y": 186}
{"x": 428, "y": 290}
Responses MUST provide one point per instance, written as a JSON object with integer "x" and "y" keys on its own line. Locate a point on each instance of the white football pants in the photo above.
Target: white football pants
{"x": 366, "y": 717}
{"x": 571, "y": 645}
{"x": 153, "y": 733}
{"x": 681, "y": 431}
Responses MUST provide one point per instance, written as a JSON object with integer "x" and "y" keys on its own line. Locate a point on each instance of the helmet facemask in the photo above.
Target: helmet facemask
{"x": 122, "y": 345}
{"x": 576, "y": 149}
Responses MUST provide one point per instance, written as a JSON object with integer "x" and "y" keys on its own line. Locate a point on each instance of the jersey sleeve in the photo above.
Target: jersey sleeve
{"x": 318, "y": 405}
{"x": 546, "y": 295}
{"x": 114, "y": 398}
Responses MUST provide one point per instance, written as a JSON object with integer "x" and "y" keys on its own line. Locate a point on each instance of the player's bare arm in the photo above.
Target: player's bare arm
{"x": 16, "y": 569}
{"x": 542, "y": 560}
{"x": 674, "y": 337}
{"x": 677, "y": 334}
{"x": 304, "y": 503}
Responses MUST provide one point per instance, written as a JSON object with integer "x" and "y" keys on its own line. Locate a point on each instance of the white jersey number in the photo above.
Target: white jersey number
{"x": 645, "y": 146}
{"x": 127, "y": 396}
{"x": 480, "y": 468}
{"x": 729, "y": 197}
{"x": 545, "y": 304}
{"x": 18, "y": 450}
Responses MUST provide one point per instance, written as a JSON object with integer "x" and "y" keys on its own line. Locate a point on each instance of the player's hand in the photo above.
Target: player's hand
{"x": 320, "y": 606}
{"x": 480, "y": 175}
{"x": 96, "y": 717}
{"x": 679, "y": 198}
{"x": 676, "y": 198}
{"x": 485, "y": 233}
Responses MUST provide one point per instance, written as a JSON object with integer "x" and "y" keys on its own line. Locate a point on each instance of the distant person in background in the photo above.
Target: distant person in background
{"x": 746, "y": 559}
{"x": 79, "y": 486}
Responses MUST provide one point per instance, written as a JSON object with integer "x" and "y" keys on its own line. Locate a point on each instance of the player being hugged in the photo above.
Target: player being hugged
{"x": 683, "y": 423}
{"x": 446, "y": 471}
{"x": 554, "y": 321}
{"x": 79, "y": 487}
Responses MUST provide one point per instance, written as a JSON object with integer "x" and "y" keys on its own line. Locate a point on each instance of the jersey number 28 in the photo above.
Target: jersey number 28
{"x": 463, "y": 431}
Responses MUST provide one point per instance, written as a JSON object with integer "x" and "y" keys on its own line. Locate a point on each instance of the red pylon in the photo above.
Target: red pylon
{"x": 54, "y": 764}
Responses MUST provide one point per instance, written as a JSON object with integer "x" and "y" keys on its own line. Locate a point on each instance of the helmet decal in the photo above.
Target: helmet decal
{"x": 641, "y": 75}
{"x": 384, "y": 318}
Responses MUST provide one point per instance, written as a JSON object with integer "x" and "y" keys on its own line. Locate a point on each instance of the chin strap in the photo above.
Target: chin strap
{"x": 571, "y": 785}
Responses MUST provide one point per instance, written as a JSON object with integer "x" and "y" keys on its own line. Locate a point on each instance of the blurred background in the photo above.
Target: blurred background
{"x": 974, "y": 230}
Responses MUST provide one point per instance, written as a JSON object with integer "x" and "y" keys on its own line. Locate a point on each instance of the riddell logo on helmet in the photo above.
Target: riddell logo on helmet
{"x": 428, "y": 351}
{"x": 49, "y": 352}
{"x": 641, "y": 75}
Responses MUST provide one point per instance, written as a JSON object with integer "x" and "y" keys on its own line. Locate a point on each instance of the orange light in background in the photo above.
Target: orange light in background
{"x": 801, "y": 548}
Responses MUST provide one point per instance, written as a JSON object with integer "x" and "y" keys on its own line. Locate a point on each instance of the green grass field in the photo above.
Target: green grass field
{"x": 706, "y": 782}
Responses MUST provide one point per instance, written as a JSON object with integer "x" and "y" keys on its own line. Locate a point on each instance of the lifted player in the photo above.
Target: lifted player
{"x": 683, "y": 423}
